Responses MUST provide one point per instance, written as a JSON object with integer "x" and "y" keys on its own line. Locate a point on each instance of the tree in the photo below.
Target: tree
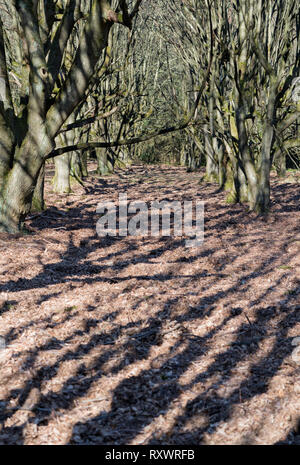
{"x": 30, "y": 123}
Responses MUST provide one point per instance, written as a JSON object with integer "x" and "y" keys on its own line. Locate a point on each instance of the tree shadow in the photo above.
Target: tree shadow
{"x": 140, "y": 400}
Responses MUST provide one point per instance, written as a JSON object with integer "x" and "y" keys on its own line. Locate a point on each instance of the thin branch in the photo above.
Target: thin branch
{"x": 92, "y": 119}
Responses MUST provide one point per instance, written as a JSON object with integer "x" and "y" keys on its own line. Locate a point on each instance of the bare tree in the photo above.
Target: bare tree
{"x": 27, "y": 134}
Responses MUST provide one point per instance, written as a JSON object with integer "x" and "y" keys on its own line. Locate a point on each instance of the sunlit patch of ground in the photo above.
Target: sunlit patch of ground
{"x": 143, "y": 340}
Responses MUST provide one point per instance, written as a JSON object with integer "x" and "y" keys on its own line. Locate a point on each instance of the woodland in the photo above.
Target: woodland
{"x": 140, "y": 340}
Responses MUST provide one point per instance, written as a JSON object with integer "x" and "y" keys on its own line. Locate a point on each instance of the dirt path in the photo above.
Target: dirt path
{"x": 142, "y": 340}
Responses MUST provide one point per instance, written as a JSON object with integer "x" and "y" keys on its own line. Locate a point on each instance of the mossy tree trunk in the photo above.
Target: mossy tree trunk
{"x": 105, "y": 162}
{"x": 38, "y": 200}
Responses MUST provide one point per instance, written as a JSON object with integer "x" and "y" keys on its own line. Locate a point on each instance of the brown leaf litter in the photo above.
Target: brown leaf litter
{"x": 132, "y": 340}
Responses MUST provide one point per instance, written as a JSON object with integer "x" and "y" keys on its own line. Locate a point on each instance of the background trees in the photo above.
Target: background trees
{"x": 247, "y": 117}
{"x": 248, "y": 100}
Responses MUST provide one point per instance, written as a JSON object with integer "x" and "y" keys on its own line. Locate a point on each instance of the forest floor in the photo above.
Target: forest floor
{"x": 142, "y": 340}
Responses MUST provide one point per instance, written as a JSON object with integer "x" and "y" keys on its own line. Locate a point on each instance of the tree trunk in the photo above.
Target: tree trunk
{"x": 20, "y": 182}
{"x": 38, "y": 202}
{"x": 105, "y": 162}
{"x": 61, "y": 180}
{"x": 280, "y": 163}
{"x": 84, "y": 163}
{"x": 245, "y": 157}
{"x": 77, "y": 168}
{"x": 262, "y": 202}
